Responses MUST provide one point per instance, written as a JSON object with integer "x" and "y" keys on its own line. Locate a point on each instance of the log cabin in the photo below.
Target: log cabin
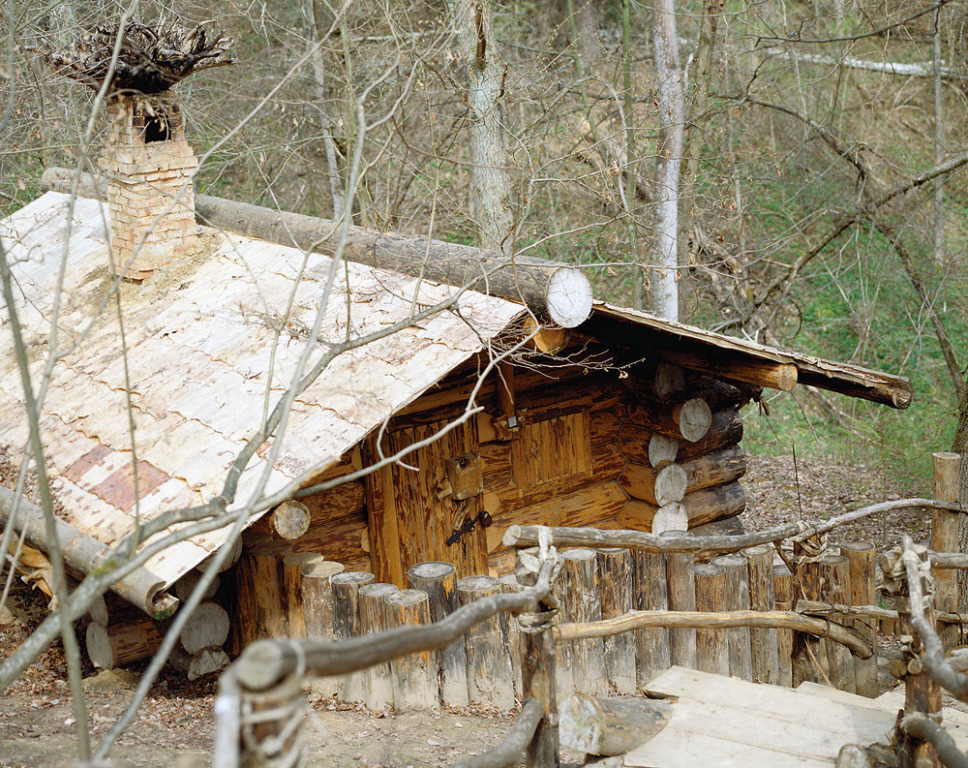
{"x": 418, "y": 419}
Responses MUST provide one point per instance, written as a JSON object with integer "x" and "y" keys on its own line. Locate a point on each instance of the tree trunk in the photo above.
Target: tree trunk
{"x": 490, "y": 182}
{"x": 664, "y": 278}
{"x": 320, "y": 20}
{"x": 939, "y": 249}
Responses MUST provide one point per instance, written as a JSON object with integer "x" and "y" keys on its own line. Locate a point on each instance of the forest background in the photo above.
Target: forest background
{"x": 822, "y": 189}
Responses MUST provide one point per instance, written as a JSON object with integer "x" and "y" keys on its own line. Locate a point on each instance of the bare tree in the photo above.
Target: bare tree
{"x": 665, "y": 275}
{"x": 481, "y": 62}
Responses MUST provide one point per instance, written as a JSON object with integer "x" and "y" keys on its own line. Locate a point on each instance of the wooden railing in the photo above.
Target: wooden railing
{"x": 261, "y": 695}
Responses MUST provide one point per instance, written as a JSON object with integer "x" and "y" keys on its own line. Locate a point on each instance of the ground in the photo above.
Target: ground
{"x": 174, "y": 727}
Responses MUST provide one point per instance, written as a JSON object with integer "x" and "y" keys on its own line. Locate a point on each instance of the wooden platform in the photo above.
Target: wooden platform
{"x": 721, "y": 721}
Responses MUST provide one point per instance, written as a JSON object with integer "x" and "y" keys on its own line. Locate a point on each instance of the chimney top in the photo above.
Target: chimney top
{"x": 146, "y": 158}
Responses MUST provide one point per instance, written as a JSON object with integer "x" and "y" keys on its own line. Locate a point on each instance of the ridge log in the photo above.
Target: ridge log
{"x": 554, "y": 291}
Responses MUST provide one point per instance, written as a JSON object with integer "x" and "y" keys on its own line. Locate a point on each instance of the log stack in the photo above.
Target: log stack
{"x": 683, "y": 455}
{"x": 118, "y": 634}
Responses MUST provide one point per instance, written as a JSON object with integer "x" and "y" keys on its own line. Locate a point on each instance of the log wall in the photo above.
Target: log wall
{"x": 567, "y": 445}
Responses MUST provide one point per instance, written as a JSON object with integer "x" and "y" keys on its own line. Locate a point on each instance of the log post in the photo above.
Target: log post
{"x": 712, "y": 652}
{"x": 414, "y": 676}
{"x": 490, "y": 680}
{"x": 835, "y": 577}
{"x": 809, "y": 655}
{"x": 615, "y": 575}
{"x": 922, "y": 694}
{"x": 681, "y": 580}
{"x": 439, "y": 581}
{"x": 538, "y": 663}
{"x": 317, "y": 607}
{"x": 346, "y": 624}
{"x": 509, "y": 585}
{"x": 271, "y": 724}
{"x": 783, "y": 586}
{"x": 582, "y": 602}
{"x": 379, "y": 686}
{"x": 650, "y": 594}
{"x": 261, "y": 598}
{"x": 292, "y": 566}
{"x": 765, "y": 659}
{"x": 944, "y": 538}
{"x": 860, "y": 562}
{"x": 737, "y": 599}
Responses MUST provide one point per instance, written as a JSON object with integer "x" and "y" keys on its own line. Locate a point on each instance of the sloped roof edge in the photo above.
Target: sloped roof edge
{"x": 844, "y": 378}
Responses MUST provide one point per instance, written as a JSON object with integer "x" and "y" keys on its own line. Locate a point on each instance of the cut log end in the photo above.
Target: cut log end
{"x": 671, "y": 517}
{"x": 569, "y": 298}
{"x": 291, "y": 519}
{"x": 694, "y": 418}
{"x": 610, "y": 726}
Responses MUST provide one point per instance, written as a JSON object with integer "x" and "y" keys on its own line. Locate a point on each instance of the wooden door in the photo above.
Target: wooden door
{"x": 412, "y": 506}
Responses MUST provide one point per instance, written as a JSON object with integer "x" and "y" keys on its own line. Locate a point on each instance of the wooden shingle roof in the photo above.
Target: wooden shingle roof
{"x": 211, "y": 347}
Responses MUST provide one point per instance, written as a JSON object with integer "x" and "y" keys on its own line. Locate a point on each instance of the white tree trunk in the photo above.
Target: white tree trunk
{"x": 316, "y": 20}
{"x": 939, "y": 239}
{"x": 490, "y": 182}
{"x": 664, "y": 278}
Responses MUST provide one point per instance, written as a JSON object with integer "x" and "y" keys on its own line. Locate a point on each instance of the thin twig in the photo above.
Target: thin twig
{"x": 510, "y": 751}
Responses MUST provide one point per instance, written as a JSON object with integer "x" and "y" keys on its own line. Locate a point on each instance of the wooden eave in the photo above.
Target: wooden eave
{"x": 741, "y": 360}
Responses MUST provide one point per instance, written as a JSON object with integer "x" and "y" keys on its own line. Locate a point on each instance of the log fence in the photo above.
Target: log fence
{"x": 601, "y": 618}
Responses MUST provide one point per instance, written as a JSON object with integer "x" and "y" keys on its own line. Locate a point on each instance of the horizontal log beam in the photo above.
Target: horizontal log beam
{"x": 819, "y": 608}
{"x": 704, "y": 620}
{"x": 726, "y": 429}
{"x": 748, "y": 370}
{"x": 717, "y": 468}
{"x": 555, "y": 292}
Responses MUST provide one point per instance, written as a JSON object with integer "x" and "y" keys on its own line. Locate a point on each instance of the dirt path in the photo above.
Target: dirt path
{"x": 174, "y": 727}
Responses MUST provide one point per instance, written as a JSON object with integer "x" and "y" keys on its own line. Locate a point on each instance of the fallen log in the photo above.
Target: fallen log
{"x": 553, "y": 291}
{"x": 121, "y": 644}
{"x": 610, "y": 726}
{"x": 83, "y": 553}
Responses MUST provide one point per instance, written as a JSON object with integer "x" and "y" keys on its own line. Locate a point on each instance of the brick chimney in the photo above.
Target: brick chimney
{"x": 149, "y": 167}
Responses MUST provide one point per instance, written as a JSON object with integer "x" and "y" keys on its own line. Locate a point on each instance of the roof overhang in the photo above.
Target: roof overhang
{"x": 742, "y": 360}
